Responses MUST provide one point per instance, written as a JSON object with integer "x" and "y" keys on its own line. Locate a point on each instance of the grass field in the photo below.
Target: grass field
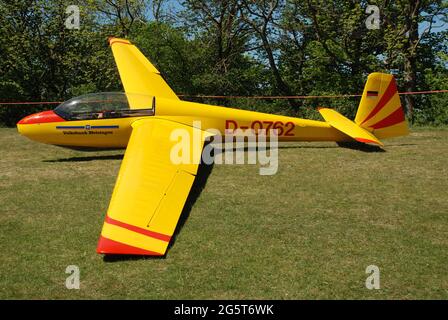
{"x": 307, "y": 232}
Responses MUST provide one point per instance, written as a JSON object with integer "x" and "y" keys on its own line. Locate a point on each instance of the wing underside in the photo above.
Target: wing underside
{"x": 150, "y": 191}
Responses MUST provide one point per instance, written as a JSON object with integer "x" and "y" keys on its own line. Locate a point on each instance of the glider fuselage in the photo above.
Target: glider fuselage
{"x": 47, "y": 127}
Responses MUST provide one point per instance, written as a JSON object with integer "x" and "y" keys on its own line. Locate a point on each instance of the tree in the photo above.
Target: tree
{"x": 42, "y": 60}
{"x": 403, "y": 40}
{"x": 262, "y": 17}
{"x": 123, "y": 13}
{"x": 229, "y": 47}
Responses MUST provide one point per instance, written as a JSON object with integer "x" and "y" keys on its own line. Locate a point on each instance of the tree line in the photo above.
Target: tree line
{"x": 229, "y": 48}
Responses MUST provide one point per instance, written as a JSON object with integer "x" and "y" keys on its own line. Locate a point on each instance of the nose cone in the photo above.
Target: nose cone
{"x": 31, "y": 126}
{"x": 41, "y": 117}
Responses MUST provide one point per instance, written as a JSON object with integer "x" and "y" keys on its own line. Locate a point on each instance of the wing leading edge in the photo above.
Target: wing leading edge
{"x": 150, "y": 191}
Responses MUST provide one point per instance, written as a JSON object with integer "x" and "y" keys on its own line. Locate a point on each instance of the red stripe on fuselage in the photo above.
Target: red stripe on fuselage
{"x": 145, "y": 232}
{"x": 388, "y": 94}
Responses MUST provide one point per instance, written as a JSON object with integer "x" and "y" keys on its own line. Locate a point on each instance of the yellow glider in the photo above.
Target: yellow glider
{"x": 151, "y": 190}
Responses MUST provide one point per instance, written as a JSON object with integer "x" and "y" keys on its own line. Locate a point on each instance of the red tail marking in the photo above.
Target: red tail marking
{"x": 395, "y": 117}
{"x": 388, "y": 94}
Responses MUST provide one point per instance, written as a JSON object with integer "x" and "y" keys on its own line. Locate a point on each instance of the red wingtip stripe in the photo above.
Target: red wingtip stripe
{"x": 366, "y": 140}
{"x": 108, "y": 246}
{"x": 387, "y": 96}
{"x": 152, "y": 234}
{"x": 116, "y": 40}
{"x": 395, "y": 117}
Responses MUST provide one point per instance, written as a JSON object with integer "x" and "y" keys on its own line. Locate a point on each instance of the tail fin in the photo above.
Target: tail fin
{"x": 380, "y": 111}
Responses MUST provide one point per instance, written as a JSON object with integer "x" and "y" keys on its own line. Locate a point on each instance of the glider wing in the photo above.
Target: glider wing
{"x": 137, "y": 74}
{"x": 150, "y": 191}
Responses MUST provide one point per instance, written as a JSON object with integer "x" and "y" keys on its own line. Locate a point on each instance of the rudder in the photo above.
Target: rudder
{"x": 380, "y": 111}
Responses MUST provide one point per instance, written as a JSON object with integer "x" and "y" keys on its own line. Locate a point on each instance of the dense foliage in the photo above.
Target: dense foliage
{"x": 229, "y": 47}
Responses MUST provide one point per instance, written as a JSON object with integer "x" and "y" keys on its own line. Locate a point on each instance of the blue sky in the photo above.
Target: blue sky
{"x": 438, "y": 25}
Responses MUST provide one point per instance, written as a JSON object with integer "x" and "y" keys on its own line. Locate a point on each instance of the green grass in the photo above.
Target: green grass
{"x": 307, "y": 232}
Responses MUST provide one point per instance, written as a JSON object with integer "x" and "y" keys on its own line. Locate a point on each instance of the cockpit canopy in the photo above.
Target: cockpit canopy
{"x": 106, "y": 105}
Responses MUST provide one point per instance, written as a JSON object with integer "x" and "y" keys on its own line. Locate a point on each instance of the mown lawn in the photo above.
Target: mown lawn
{"x": 308, "y": 232}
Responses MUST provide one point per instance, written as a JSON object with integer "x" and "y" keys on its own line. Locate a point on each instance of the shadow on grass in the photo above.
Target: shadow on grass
{"x": 401, "y": 145}
{"x": 128, "y": 257}
{"x": 199, "y": 183}
{"x": 90, "y": 158}
{"x": 349, "y": 145}
{"x": 254, "y": 149}
{"x": 308, "y": 147}
{"x": 354, "y": 145}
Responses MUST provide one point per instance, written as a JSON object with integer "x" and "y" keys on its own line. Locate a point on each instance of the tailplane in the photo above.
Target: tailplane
{"x": 341, "y": 123}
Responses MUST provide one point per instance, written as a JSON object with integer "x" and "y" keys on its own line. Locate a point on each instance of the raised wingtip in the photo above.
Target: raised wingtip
{"x": 113, "y": 40}
{"x": 369, "y": 141}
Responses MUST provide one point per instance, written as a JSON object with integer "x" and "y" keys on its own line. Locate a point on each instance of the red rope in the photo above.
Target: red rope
{"x": 423, "y": 92}
{"x": 251, "y": 97}
{"x": 272, "y": 97}
{"x": 309, "y": 97}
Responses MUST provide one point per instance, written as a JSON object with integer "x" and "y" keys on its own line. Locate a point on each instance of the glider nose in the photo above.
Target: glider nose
{"x": 41, "y": 117}
{"x": 30, "y": 125}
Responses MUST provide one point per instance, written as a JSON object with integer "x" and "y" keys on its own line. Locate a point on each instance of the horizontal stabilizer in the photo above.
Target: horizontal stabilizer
{"x": 341, "y": 123}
